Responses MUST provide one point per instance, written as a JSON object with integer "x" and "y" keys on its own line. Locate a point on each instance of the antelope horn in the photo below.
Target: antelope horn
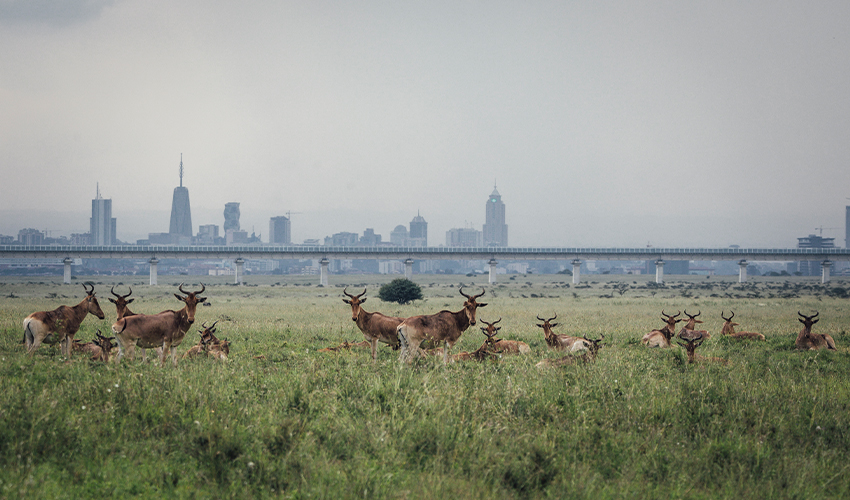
{"x": 112, "y": 290}
{"x": 181, "y": 289}
{"x": 500, "y": 319}
{"x": 483, "y": 291}
{"x": 461, "y": 292}
{"x": 86, "y": 285}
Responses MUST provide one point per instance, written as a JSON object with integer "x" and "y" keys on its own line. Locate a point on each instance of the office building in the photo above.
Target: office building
{"x": 181, "y": 213}
{"x": 418, "y": 235}
{"x": 102, "y": 224}
{"x": 280, "y": 231}
{"x": 495, "y": 229}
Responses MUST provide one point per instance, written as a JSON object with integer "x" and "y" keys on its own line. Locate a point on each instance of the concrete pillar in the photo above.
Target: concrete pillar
{"x": 323, "y": 277}
{"x": 659, "y": 271}
{"x": 492, "y": 270}
{"x": 576, "y": 272}
{"x": 825, "y": 265}
{"x": 408, "y": 269}
{"x": 154, "y": 261}
{"x": 68, "y": 261}
{"x": 742, "y": 271}
{"x": 240, "y": 270}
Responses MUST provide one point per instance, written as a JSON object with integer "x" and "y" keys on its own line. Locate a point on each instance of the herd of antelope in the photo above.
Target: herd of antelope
{"x": 416, "y": 336}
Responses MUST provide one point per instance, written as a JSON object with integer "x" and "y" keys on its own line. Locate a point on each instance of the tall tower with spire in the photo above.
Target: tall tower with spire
{"x": 495, "y": 229}
{"x": 181, "y": 213}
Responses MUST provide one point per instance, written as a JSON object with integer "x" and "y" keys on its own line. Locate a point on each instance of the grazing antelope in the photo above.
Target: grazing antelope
{"x": 376, "y": 327}
{"x": 812, "y": 341}
{"x": 661, "y": 338}
{"x": 347, "y": 346}
{"x": 692, "y": 323}
{"x": 443, "y": 327}
{"x": 500, "y": 345}
{"x": 561, "y": 342}
{"x": 693, "y": 342}
{"x": 165, "y": 329}
{"x": 100, "y": 348}
{"x": 729, "y": 329}
{"x": 59, "y": 325}
{"x": 587, "y": 357}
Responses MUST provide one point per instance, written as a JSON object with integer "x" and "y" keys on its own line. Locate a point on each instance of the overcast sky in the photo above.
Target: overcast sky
{"x": 602, "y": 123}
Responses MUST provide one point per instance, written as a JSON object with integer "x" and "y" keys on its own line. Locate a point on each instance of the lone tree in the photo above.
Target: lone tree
{"x": 400, "y": 290}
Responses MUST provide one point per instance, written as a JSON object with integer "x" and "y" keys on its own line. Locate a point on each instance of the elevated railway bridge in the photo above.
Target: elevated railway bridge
{"x": 408, "y": 255}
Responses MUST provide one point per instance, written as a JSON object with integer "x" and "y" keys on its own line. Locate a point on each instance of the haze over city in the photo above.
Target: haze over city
{"x": 602, "y": 124}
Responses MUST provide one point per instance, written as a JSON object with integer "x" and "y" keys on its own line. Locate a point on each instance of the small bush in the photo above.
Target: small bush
{"x": 400, "y": 290}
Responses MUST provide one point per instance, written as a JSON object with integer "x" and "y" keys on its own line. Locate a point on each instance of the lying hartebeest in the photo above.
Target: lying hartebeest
{"x": 561, "y": 342}
{"x": 99, "y": 348}
{"x": 694, "y": 339}
{"x": 502, "y": 346}
{"x": 443, "y": 327}
{"x": 588, "y": 356}
{"x": 661, "y": 338}
{"x": 808, "y": 340}
{"x": 483, "y": 353}
{"x": 692, "y": 323}
{"x": 59, "y": 325}
{"x": 209, "y": 345}
{"x": 165, "y": 329}
{"x": 729, "y": 329}
{"x": 376, "y": 327}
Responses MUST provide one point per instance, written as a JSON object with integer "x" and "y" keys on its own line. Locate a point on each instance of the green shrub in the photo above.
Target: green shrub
{"x": 400, "y": 290}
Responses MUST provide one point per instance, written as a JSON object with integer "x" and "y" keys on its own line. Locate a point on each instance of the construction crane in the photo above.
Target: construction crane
{"x": 821, "y": 228}
{"x": 289, "y": 214}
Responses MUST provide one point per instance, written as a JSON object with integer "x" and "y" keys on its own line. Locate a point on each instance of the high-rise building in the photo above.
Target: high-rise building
{"x": 495, "y": 229}
{"x": 231, "y": 216}
{"x": 398, "y": 236}
{"x": 811, "y": 267}
{"x": 207, "y": 234}
{"x": 181, "y": 213}
{"x": 102, "y": 224}
{"x": 280, "y": 230}
{"x": 418, "y": 236}
{"x": 847, "y": 228}
{"x": 30, "y": 236}
{"x": 464, "y": 237}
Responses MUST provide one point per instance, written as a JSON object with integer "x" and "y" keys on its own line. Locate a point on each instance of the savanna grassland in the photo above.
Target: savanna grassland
{"x": 281, "y": 419}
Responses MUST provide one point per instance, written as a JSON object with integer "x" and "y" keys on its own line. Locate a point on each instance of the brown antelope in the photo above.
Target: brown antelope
{"x": 165, "y": 329}
{"x": 692, "y": 323}
{"x": 347, "y": 346}
{"x": 729, "y": 329}
{"x": 375, "y": 326}
{"x": 59, "y": 325}
{"x": 812, "y": 341}
{"x": 588, "y": 356}
{"x": 561, "y": 342}
{"x": 209, "y": 345}
{"x": 100, "y": 348}
{"x": 123, "y": 310}
{"x": 483, "y": 353}
{"x": 661, "y": 338}
{"x": 443, "y": 327}
{"x": 500, "y": 345}
{"x": 693, "y": 342}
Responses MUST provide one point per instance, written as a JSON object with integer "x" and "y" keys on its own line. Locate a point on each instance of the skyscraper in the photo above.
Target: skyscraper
{"x": 101, "y": 224}
{"x": 280, "y": 230}
{"x": 181, "y": 214}
{"x": 418, "y": 236}
{"x": 495, "y": 229}
{"x": 847, "y": 227}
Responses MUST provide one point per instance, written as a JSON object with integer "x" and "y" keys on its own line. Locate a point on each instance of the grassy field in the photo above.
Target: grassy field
{"x": 280, "y": 419}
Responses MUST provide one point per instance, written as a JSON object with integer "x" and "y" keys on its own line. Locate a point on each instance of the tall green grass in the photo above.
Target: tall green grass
{"x": 280, "y": 419}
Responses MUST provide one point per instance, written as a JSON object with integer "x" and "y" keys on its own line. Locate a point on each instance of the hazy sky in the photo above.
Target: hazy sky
{"x": 602, "y": 123}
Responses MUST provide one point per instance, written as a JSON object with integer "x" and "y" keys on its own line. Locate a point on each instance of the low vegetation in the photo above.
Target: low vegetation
{"x": 279, "y": 418}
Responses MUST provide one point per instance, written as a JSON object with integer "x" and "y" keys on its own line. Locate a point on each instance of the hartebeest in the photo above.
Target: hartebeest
{"x": 376, "y": 327}
{"x": 561, "y": 342}
{"x": 729, "y": 329}
{"x": 588, "y": 356}
{"x": 661, "y": 338}
{"x": 165, "y": 329}
{"x": 443, "y": 327}
{"x": 100, "y": 348}
{"x": 691, "y": 324}
{"x": 209, "y": 345}
{"x": 123, "y": 310}
{"x": 502, "y": 346}
{"x": 808, "y": 340}
{"x": 692, "y": 342}
{"x": 59, "y": 325}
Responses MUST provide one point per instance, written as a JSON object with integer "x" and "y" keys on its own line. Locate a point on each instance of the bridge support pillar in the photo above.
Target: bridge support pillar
{"x": 68, "y": 261}
{"x": 659, "y": 271}
{"x": 408, "y": 269}
{"x": 492, "y": 270}
{"x": 576, "y": 272}
{"x": 323, "y": 277}
{"x": 154, "y": 261}
{"x": 825, "y": 265}
{"x": 742, "y": 271}
{"x": 240, "y": 270}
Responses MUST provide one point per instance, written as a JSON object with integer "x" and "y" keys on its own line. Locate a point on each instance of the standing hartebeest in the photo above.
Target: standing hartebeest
{"x": 661, "y": 338}
{"x": 165, "y": 329}
{"x": 808, "y": 340}
{"x": 502, "y": 346}
{"x": 123, "y": 310}
{"x": 561, "y": 342}
{"x": 729, "y": 329}
{"x": 444, "y": 326}
{"x": 60, "y": 324}
{"x": 376, "y": 327}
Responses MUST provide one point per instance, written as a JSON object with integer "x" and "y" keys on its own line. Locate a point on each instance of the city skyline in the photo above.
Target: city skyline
{"x": 631, "y": 124}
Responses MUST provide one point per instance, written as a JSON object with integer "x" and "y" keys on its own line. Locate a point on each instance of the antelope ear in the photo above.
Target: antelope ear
{"x": 201, "y": 299}
{"x": 815, "y": 321}
{"x": 801, "y": 321}
{"x": 363, "y": 300}
{"x": 111, "y": 300}
{"x": 498, "y": 328}
{"x": 346, "y": 301}
{"x": 181, "y": 299}
{"x": 541, "y": 326}
{"x": 482, "y": 305}
{"x": 131, "y": 300}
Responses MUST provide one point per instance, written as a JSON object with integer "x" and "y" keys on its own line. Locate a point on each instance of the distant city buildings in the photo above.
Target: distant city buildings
{"x": 280, "y": 231}
{"x": 30, "y": 236}
{"x": 398, "y": 236}
{"x": 807, "y": 267}
{"x": 464, "y": 237}
{"x": 207, "y": 235}
{"x": 847, "y": 227}
{"x": 495, "y": 229}
{"x": 418, "y": 235}
{"x": 102, "y": 225}
{"x": 181, "y": 213}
